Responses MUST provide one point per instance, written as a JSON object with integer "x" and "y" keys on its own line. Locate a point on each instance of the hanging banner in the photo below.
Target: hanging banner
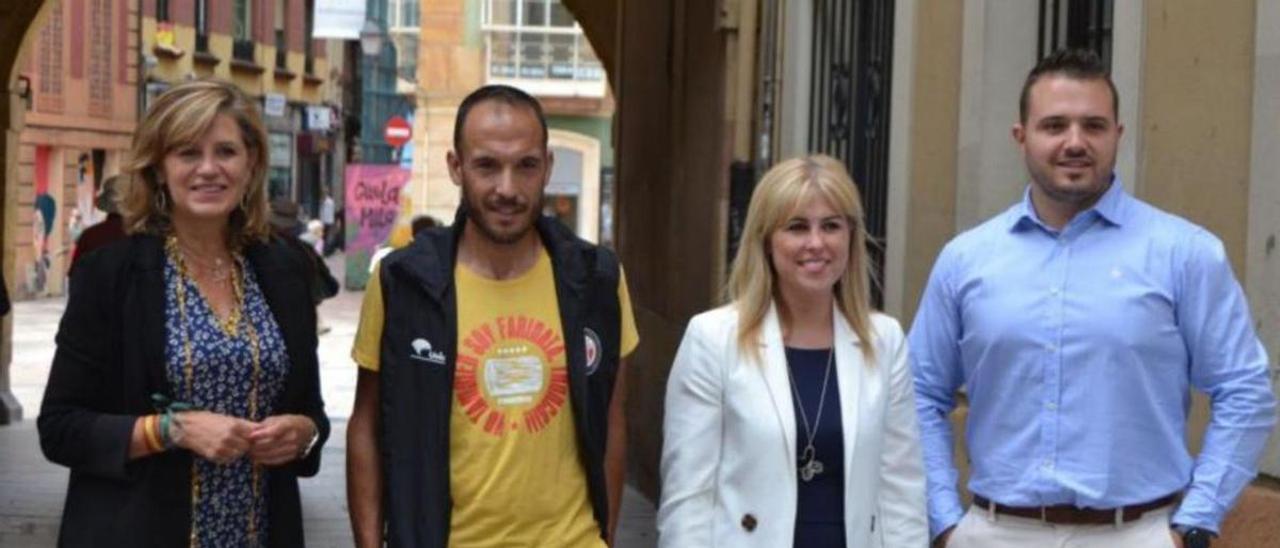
{"x": 340, "y": 19}
{"x": 373, "y": 203}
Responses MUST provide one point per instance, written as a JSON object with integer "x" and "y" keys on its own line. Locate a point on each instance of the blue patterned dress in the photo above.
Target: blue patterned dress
{"x": 222, "y": 380}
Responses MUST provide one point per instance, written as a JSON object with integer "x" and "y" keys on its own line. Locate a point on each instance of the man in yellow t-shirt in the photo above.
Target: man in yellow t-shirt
{"x": 492, "y": 362}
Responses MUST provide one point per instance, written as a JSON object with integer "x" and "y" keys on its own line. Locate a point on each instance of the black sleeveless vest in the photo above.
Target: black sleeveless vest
{"x": 416, "y": 381}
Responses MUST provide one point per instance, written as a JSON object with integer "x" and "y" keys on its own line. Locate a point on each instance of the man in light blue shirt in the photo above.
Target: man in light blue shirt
{"x": 1076, "y": 321}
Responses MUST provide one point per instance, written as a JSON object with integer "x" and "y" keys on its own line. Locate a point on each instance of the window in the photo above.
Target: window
{"x": 100, "y": 19}
{"x": 502, "y": 12}
{"x": 242, "y": 30}
{"x": 403, "y": 29}
{"x": 539, "y": 43}
{"x": 405, "y": 14}
{"x": 407, "y": 60}
{"x": 1076, "y": 24}
{"x": 202, "y": 26}
{"x": 309, "y": 28}
{"x": 50, "y": 69}
{"x": 243, "y": 25}
{"x": 162, "y": 10}
{"x": 559, "y": 16}
{"x": 282, "y": 45}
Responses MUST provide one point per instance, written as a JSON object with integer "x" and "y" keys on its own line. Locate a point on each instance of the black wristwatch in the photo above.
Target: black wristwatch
{"x": 1195, "y": 537}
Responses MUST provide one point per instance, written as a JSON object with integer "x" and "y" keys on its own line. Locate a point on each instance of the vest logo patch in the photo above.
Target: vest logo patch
{"x": 593, "y": 348}
{"x": 422, "y": 352}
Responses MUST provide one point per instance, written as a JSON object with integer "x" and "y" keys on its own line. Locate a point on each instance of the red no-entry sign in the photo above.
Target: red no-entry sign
{"x": 397, "y": 132}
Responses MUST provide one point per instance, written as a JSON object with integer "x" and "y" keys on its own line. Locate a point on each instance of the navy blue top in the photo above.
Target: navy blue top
{"x": 222, "y": 381}
{"x": 820, "y": 502}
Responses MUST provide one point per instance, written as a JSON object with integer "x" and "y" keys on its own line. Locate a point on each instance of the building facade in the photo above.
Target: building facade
{"x": 77, "y": 84}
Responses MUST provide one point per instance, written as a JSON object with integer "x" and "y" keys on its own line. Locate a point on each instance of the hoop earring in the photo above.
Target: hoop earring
{"x": 162, "y": 202}
{"x": 244, "y": 201}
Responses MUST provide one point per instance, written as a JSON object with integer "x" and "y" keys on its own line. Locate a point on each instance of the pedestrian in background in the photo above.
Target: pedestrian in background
{"x": 105, "y": 232}
{"x": 327, "y": 219}
{"x": 284, "y": 222}
{"x": 790, "y": 416}
{"x": 184, "y": 394}
{"x": 1078, "y": 320}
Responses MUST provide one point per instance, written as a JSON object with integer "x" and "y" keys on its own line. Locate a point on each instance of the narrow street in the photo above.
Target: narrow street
{"x": 32, "y": 489}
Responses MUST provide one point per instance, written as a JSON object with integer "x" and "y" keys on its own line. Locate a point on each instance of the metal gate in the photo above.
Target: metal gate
{"x": 1076, "y": 24}
{"x": 851, "y": 53}
{"x": 849, "y": 103}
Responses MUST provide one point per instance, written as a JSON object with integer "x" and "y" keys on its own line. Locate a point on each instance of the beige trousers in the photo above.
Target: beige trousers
{"x": 979, "y": 529}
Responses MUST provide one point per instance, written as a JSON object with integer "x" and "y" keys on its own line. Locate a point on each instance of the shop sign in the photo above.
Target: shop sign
{"x": 273, "y": 104}
{"x": 319, "y": 118}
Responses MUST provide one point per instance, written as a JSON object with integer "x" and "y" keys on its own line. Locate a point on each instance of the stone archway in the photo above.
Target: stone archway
{"x": 669, "y": 65}
{"x": 599, "y": 21}
{"x": 16, "y": 19}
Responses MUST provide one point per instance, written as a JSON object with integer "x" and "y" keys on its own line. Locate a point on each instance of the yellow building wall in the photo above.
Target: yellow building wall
{"x": 299, "y": 88}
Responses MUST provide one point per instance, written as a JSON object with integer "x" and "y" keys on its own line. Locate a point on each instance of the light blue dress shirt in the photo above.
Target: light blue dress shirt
{"x": 1077, "y": 348}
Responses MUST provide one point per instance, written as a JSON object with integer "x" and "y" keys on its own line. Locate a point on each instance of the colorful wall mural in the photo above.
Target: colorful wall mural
{"x": 42, "y": 219}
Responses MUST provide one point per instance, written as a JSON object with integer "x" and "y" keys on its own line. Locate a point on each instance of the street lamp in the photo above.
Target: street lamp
{"x": 371, "y": 38}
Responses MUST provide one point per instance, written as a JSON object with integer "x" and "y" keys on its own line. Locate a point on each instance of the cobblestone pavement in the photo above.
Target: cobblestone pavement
{"x": 32, "y": 489}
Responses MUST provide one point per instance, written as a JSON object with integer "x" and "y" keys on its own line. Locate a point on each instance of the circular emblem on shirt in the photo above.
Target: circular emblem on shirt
{"x": 507, "y": 378}
{"x": 593, "y": 349}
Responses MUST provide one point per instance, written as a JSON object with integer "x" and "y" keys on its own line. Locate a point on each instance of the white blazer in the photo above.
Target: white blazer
{"x": 729, "y": 476}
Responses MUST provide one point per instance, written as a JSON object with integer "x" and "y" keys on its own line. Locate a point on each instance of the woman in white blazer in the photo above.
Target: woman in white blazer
{"x": 790, "y": 418}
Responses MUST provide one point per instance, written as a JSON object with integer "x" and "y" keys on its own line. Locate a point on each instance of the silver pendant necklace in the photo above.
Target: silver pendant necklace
{"x": 810, "y": 467}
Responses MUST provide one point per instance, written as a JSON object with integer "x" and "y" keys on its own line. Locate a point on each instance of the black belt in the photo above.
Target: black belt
{"x": 1067, "y": 514}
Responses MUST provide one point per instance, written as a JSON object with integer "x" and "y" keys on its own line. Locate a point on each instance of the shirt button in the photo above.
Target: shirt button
{"x": 1054, "y": 291}
{"x": 1050, "y": 348}
{"x": 1051, "y": 406}
{"x": 1046, "y": 465}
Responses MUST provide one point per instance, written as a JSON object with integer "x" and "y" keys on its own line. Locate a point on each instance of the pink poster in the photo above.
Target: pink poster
{"x": 372, "y": 203}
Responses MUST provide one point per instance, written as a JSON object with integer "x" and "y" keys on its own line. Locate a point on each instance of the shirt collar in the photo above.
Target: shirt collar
{"x": 1111, "y": 207}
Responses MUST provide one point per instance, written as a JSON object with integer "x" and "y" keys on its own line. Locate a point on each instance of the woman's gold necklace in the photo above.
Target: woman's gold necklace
{"x": 219, "y": 273}
{"x": 230, "y": 327}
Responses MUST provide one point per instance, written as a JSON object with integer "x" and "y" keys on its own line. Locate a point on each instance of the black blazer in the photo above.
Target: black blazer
{"x": 110, "y": 359}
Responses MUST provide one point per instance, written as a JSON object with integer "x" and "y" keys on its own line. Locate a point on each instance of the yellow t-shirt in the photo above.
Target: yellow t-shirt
{"x": 515, "y": 477}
